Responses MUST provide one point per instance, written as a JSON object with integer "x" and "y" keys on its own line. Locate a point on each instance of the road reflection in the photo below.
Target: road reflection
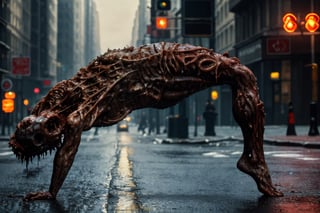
{"x": 290, "y": 204}
{"x": 125, "y": 183}
{"x": 300, "y": 155}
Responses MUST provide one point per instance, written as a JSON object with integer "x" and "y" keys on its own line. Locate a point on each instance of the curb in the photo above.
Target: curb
{"x": 4, "y": 138}
{"x": 205, "y": 140}
{"x": 267, "y": 140}
{"x": 283, "y": 142}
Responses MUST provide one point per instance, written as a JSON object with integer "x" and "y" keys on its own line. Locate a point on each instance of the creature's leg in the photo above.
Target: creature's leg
{"x": 62, "y": 163}
{"x": 249, "y": 113}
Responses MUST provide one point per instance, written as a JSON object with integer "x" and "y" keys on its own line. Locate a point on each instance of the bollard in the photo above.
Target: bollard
{"x": 313, "y": 130}
{"x": 291, "y": 130}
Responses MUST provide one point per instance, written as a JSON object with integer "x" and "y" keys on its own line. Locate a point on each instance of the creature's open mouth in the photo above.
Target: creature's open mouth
{"x": 35, "y": 136}
{"x": 27, "y": 149}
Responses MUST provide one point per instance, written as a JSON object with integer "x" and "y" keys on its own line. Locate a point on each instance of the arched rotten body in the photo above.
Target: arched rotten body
{"x": 110, "y": 87}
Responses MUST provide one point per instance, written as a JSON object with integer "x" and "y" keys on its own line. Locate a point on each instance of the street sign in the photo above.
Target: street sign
{"x": 6, "y": 84}
{"x": 21, "y": 66}
{"x": 278, "y": 46}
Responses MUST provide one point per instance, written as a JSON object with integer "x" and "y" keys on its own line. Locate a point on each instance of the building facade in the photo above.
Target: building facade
{"x": 28, "y": 31}
{"x": 92, "y": 36}
{"x": 70, "y": 37}
{"x": 78, "y": 35}
{"x": 264, "y": 46}
{"x": 224, "y": 43}
{"x": 54, "y": 39}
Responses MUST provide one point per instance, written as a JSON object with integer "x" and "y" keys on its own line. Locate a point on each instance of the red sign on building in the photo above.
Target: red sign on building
{"x": 21, "y": 66}
{"x": 278, "y": 46}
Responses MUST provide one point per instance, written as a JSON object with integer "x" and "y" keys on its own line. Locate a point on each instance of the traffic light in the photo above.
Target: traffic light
{"x": 289, "y": 22}
{"x": 197, "y": 18}
{"x": 10, "y": 95}
{"x": 8, "y": 102}
{"x": 164, "y": 4}
{"x": 312, "y": 22}
{"x": 7, "y": 105}
{"x": 161, "y": 22}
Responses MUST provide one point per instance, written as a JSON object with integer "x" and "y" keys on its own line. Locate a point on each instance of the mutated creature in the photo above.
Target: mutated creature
{"x": 157, "y": 75}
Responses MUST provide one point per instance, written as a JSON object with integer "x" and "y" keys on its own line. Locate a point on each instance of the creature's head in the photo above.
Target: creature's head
{"x": 35, "y": 135}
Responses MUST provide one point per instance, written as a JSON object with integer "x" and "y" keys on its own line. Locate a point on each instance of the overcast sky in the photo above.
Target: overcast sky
{"x": 116, "y": 21}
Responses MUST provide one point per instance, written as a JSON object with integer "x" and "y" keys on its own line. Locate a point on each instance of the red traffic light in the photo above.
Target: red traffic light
{"x": 312, "y": 22}
{"x": 161, "y": 22}
{"x": 289, "y": 22}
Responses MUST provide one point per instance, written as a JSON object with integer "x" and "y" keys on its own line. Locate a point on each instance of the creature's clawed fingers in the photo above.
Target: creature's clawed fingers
{"x": 38, "y": 196}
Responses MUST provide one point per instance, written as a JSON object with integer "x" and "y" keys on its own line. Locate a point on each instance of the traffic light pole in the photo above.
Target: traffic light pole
{"x": 313, "y": 130}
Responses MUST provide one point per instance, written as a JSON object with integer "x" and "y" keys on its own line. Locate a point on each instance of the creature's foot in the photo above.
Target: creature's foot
{"x": 38, "y": 196}
{"x": 260, "y": 173}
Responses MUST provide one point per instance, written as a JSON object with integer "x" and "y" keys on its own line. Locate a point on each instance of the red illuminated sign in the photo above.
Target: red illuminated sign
{"x": 278, "y": 46}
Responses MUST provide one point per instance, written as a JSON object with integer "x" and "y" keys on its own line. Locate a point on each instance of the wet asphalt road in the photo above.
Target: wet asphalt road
{"x": 130, "y": 172}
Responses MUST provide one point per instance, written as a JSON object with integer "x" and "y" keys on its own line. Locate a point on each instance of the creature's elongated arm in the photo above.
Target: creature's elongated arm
{"x": 63, "y": 161}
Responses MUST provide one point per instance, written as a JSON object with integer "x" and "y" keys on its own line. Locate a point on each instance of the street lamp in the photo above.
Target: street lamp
{"x": 311, "y": 24}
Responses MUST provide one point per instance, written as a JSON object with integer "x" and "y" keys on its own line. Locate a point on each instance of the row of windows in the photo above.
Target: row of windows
{"x": 225, "y": 30}
{"x": 225, "y": 38}
{"x": 222, "y": 12}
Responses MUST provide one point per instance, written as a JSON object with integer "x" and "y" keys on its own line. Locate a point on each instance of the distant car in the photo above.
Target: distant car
{"x": 123, "y": 126}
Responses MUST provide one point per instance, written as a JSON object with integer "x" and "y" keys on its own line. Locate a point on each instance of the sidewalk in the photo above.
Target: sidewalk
{"x": 274, "y": 135}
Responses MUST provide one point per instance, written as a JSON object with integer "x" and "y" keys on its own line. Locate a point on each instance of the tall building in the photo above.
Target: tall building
{"x": 71, "y": 37}
{"x": 28, "y": 50}
{"x": 224, "y": 43}
{"x": 52, "y": 38}
{"x": 264, "y": 46}
{"x": 44, "y": 31}
{"x": 141, "y": 24}
{"x": 78, "y": 35}
{"x": 92, "y": 32}
{"x": 15, "y": 27}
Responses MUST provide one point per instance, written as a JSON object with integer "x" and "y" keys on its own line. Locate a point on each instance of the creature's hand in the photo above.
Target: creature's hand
{"x": 38, "y": 196}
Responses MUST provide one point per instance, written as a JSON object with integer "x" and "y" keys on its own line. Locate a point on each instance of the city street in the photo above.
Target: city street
{"x": 128, "y": 171}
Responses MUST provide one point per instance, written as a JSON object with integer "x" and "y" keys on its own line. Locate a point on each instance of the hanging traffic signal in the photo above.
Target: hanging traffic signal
{"x": 289, "y": 22}
{"x": 164, "y": 4}
{"x": 161, "y": 22}
{"x": 312, "y": 22}
{"x": 197, "y": 18}
{"x": 10, "y": 95}
{"x": 7, "y": 105}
